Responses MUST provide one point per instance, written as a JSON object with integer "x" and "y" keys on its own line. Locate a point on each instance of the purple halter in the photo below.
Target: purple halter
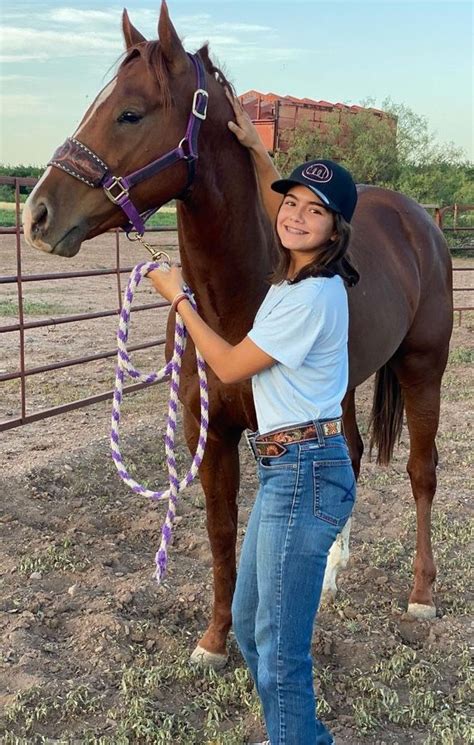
{"x": 79, "y": 161}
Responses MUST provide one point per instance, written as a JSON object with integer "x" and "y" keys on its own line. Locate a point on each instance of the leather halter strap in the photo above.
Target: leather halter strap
{"x": 79, "y": 161}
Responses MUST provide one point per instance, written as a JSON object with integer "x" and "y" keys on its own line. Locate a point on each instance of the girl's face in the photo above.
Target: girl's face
{"x": 303, "y": 223}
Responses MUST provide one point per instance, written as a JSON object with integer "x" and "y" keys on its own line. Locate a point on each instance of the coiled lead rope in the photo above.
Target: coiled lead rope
{"x": 172, "y": 368}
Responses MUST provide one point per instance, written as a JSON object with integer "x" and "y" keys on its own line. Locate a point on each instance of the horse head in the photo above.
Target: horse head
{"x": 141, "y": 115}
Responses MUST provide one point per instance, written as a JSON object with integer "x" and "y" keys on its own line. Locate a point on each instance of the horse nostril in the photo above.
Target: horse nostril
{"x": 39, "y": 218}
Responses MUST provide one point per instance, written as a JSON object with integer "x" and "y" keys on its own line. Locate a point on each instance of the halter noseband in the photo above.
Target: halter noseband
{"x": 81, "y": 162}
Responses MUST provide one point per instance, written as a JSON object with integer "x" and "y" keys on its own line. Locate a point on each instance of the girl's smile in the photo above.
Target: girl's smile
{"x": 295, "y": 231}
{"x": 304, "y": 223}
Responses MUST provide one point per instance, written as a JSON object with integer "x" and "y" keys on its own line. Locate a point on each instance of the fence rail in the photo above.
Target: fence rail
{"x": 19, "y": 279}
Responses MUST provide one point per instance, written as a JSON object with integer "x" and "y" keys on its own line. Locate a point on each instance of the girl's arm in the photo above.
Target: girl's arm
{"x": 266, "y": 172}
{"x": 230, "y": 363}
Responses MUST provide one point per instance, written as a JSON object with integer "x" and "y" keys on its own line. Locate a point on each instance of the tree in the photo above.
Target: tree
{"x": 362, "y": 142}
{"x": 7, "y": 193}
{"x": 369, "y": 148}
{"x": 398, "y": 152}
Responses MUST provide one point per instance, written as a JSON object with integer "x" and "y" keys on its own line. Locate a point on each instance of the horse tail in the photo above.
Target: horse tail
{"x": 386, "y": 418}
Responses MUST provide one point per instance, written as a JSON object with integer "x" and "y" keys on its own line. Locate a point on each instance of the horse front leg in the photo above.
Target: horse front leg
{"x": 220, "y": 478}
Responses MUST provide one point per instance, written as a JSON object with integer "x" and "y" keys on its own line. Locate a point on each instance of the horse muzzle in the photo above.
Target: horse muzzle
{"x": 42, "y": 233}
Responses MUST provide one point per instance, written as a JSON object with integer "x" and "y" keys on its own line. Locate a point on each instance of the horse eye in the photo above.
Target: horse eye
{"x": 129, "y": 117}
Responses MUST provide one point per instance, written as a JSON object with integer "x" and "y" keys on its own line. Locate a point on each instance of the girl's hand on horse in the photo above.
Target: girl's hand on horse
{"x": 243, "y": 128}
{"x": 168, "y": 284}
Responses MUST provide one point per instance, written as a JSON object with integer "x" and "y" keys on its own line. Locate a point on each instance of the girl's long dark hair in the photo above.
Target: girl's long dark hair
{"x": 331, "y": 259}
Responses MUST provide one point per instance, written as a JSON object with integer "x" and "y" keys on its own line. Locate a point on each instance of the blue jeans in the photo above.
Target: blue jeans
{"x": 304, "y": 500}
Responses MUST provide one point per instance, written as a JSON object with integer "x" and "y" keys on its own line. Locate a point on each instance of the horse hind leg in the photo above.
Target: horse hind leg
{"x": 339, "y": 553}
{"x": 422, "y": 406}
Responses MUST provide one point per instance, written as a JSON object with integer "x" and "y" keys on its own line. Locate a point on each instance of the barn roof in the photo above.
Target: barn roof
{"x": 270, "y": 98}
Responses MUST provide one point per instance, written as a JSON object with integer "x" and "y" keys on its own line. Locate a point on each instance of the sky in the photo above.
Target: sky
{"x": 56, "y": 56}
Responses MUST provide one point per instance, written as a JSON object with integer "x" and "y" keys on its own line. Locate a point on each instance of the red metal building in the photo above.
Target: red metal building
{"x": 276, "y": 116}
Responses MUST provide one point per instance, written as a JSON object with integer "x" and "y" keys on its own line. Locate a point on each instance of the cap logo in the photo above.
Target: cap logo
{"x": 318, "y": 172}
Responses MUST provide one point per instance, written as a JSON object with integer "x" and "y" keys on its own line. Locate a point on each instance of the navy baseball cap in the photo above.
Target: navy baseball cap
{"x": 328, "y": 180}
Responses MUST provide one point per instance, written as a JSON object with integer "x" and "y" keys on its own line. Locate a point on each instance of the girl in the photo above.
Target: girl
{"x": 296, "y": 355}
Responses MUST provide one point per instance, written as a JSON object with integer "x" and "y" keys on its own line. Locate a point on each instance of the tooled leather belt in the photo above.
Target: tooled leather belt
{"x": 272, "y": 444}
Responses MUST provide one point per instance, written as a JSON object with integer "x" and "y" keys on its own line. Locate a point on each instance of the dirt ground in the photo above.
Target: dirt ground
{"x": 95, "y": 652}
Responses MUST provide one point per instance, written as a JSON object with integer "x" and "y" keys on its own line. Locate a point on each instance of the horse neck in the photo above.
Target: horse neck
{"x": 226, "y": 241}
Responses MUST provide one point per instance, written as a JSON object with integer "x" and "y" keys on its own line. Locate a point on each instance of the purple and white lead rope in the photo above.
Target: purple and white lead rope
{"x": 173, "y": 367}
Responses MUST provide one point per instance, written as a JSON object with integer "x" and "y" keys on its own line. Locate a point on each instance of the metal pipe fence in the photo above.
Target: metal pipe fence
{"x": 20, "y": 279}
{"x": 455, "y": 213}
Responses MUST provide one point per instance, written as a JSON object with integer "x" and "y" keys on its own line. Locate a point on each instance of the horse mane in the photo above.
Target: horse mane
{"x": 152, "y": 54}
{"x": 216, "y": 72}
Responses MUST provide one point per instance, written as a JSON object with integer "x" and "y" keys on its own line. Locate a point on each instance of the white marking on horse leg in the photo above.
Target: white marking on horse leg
{"x": 337, "y": 560}
{"x": 201, "y": 656}
{"x": 103, "y": 95}
{"x": 417, "y": 610}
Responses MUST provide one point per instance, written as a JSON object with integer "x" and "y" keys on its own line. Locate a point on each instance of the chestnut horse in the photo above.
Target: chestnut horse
{"x": 400, "y": 312}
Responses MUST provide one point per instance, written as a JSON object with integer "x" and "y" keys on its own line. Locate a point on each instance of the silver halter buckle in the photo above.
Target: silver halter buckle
{"x": 116, "y": 181}
{"x": 202, "y": 92}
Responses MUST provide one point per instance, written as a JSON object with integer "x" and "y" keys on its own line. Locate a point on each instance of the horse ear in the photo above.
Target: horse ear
{"x": 171, "y": 46}
{"x": 131, "y": 35}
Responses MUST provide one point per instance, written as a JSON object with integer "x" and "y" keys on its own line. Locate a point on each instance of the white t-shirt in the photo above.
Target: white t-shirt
{"x": 304, "y": 326}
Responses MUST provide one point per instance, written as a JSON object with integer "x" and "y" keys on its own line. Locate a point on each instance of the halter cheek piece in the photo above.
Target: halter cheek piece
{"x": 79, "y": 161}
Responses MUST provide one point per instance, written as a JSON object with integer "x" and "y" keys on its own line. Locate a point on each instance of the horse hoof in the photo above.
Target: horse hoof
{"x": 421, "y": 611}
{"x": 201, "y": 656}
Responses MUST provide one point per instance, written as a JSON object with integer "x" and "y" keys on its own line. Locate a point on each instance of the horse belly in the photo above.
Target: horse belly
{"x": 381, "y": 311}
